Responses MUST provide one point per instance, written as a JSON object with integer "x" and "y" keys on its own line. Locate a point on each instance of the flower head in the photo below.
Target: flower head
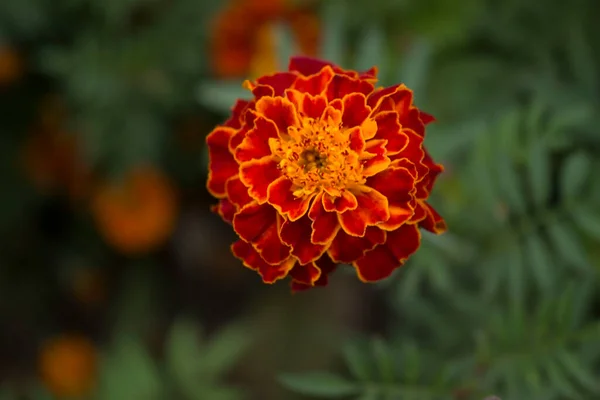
{"x": 321, "y": 168}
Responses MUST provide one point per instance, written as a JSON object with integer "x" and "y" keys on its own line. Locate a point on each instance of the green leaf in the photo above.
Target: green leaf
{"x": 565, "y": 242}
{"x": 322, "y": 384}
{"x": 371, "y": 50}
{"x": 508, "y": 182}
{"x": 218, "y": 393}
{"x": 578, "y": 372}
{"x": 574, "y": 174}
{"x": 221, "y": 96}
{"x": 383, "y": 355}
{"x": 184, "y": 353}
{"x": 516, "y": 284}
{"x": 539, "y": 172}
{"x": 224, "y": 350}
{"x": 356, "y": 361}
{"x": 559, "y": 381}
{"x": 586, "y": 220}
{"x": 333, "y": 43}
{"x": 128, "y": 372}
{"x": 541, "y": 264}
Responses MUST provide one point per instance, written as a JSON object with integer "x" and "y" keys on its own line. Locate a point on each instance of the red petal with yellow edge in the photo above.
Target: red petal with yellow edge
{"x": 253, "y": 220}
{"x": 313, "y": 106}
{"x": 325, "y": 224}
{"x": 347, "y": 249}
{"x": 281, "y": 197}
{"x": 260, "y": 91}
{"x": 279, "y": 81}
{"x": 388, "y": 128}
{"x": 221, "y": 165}
{"x": 347, "y": 201}
{"x": 372, "y": 209}
{"x": 426, "y": 185}
{"x": 256, "y": 143}
{"x": 433, "y": 221}
{"x": 427, "y": 118}
{"x": 314, "y": 84}
{"x": 355, "y": 110}
{"x": 395, "y": 183}
{"x": 342, "y": 85}
{"x": 406, "y": 164}
{"x": 257, "y": 175}
{"x": 380, "y": 262}
{"x": 420, "y": 213}
{"x": 237, "y": 111}
{"x": 378, "y": 96}
{"x": 279, "y": 110}
{"x": 332, "y": 115}
{"x": 402, "y": 99}
{"x": 225, "y": 209}
{"x": 251, "y": 259}
{"x": 237, "y": 193}
{"x": 310, "y": 106}
{"x": 305, "y": 274}
{"x": 269, "y": 245}
{"x": 357, "y": 141}
{"x": 307, "y": 65}
{"x": 326, "y": 266}
{"x": 413, "y": 152}
{"x": 297, "y": 235}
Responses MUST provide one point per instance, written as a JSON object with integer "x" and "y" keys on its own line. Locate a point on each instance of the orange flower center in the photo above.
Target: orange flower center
{"x": 316, "y": 156}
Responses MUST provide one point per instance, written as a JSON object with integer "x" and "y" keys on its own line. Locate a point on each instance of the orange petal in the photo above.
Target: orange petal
{"x": 374, "y": 157}
{"x": 257, "y": 175}
{"x": 251, "y": 259}
{"x": 372, "y": 209}
{"x": 280, "y": 195}
{"x": 237, "y": 193}
{"x": 380, "y": 262}
{"x": 297, "y": 235}
{"x": 347, "y": 201}
{"x": 221, "y": 165}
{"x": 325, "y": 224}
{"x": 270, "y": 246}
{"x": 347, "y": 249}
{"x": 355, "y": 110}
{"x": 310, "y": 106}
{"x": 279, "y": 110}
{"x": 256, "y": 143}
{"x": 433, "y": 221}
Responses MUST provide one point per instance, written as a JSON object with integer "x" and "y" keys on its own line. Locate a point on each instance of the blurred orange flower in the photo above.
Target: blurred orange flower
{"x": 11, "y": 65}
{"x": 68, "y": 366}
{"x": 137, "y": 214}
{"x": 243, "y": 42}
{"x": 51, "y": 156}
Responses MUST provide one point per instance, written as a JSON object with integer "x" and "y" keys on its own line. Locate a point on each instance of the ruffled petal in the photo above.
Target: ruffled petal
{"x": 326, "y": 267}
{"x": 237, "y": 112}
{"x": 279, "y": 110}
{"x": 237, "y": 192}
{"x": 388, "y": 128}
{"x": 307, "y": 65}
{"x": 397, "y": 185}
{"x": 355, "y": 110}
{"x": 257, "y": 175}
{"x": 347, "y": 201}
{"x": 279, "y": 82}
{"x": 255, "y": 144}
{"x": 346, "y": 249}
{"x": 251, "y": 259}
{"x": 281, "y": 196}
{"x": 296, "y": 234}
{"x": 253, "y": 219}
{"x": 221, "y": 165}
{"x": 309, "y": 106}
{"x": 225, "y": 209}
{"x": 325, "y": 224}
{"x": 380, "y": 262}
{"x": 433, "y": 221}
{"x": 372, "y": 209}
{"x": 343, "y": 85}
{"x": 314, "y": 84}
{"x": 374, "y": 158}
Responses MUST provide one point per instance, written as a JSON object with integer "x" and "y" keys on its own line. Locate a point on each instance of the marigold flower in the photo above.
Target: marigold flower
{"x": 243, "y": 38}
{"x": 68, "y": 366}
{"x": 321, "y": 168}
{"x": 137, "y": 214}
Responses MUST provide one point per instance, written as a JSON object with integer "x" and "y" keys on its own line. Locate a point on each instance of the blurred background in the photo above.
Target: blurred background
{"x": 117, "y": 282}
